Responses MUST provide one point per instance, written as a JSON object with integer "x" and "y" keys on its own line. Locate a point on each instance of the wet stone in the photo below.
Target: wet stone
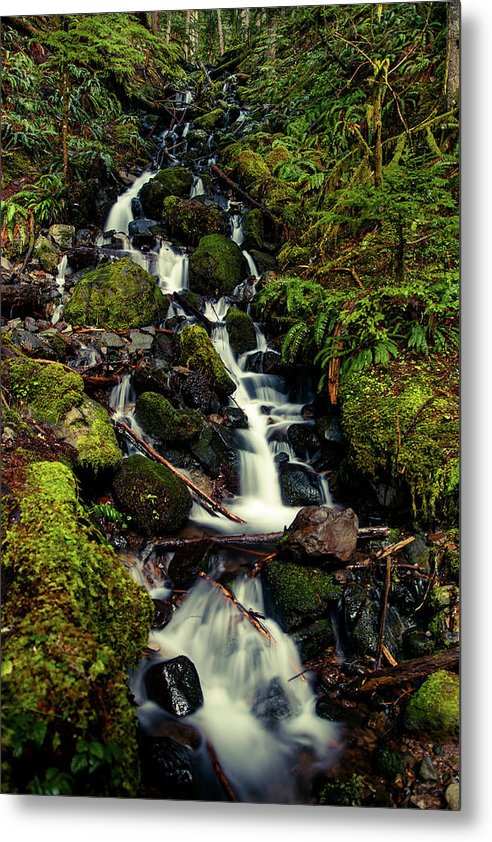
{"x": 271, "y": 703}
{"x": 426, "y": 770}
{"x": 168, "y": 767}
{"x": 175, "y": 686}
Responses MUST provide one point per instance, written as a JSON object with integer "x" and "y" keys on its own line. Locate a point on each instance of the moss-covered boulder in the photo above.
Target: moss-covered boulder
{"x": 47, "y": 254}
{"x": 161, "y": 420}
{"x": 253, "y": 229}
{"x": 198, "y": 354}
{"x": 264, "y": 262}
{"x": 215, "y": 119}
{"x": 88, "y": 429}
{"x": 157, "y": 500}
{"x": 217, "y": 266}
{"x": 277, "y": 156}
{"x": 299, "y": 595}
{"x": 241, "y": 330}
{"x": 48, "y": 392}
{"x": 435, "y": 708}
{"x": 171, "y": 181}
{"x": 188, "y": 220}
{"x": 118, "y": 296}
{"x": 77, "y": 624}
{"x": 403, "y": 435}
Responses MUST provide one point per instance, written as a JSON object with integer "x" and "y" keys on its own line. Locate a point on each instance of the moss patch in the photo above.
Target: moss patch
{"x": 118, "y": 296}
{"x": 403, "y": 430}
{"x": 188, "y": 220}
{"x": 198, "y": 353}
{"x": 299, "y": 594}
{"x": 49, "y": 390}
{"x": 171, "y": 181}
{"x": 241, "y": 330}
{"x": 88, "y": 429}
{"x": 215, "y": 119}
{"x": 434, "y": 708}
{"x": 77, "y": 624}
{"x": 160, "y": 419}
{"x": 217, "y": 266}
{"x": 158, "y": 501}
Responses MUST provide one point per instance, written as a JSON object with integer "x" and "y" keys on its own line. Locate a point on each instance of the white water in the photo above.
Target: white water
{"x": 197, "y": 188}
{"x": 121, "y": 214}
{"x": 236, "y": 665}
{"x": 61, "y": 270}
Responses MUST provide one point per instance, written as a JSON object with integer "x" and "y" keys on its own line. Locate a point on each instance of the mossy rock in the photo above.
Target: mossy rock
{"x": 47, "y": 254}
{"x": 215, "y": 119}
{"x": 264, "y": 262}
{"x": 161, "y": 420}
{"x": 171, "y": 181}
{"x": 54, "y": 341}
{"x": 300, "y": 595}
{"x": 217, "y": 266}
{"x": 254, "y": 235}
{"x": 400, "y": 431}
{"x": 157, "y": 500}
{"x": 252, "y": 168}
{"x": 197, "y": 140}
{"x": 188, "y": 220}
{"x": 435, "y": 708}
{"x": 88, "y": 429}
{"x": 279, "y": 155}
{"x": 241, "y": 330}
{"x": 49, "y": 392}
{"x": 77, "y": 624}
{"x": 118, "y": 296}
{"x": 198, "y": 354}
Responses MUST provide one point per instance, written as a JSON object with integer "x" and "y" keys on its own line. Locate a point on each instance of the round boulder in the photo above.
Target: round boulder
{"x": 318, "y": 531}
{"x": 158, "y": 500}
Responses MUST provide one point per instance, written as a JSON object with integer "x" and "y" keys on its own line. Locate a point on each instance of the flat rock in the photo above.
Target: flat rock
{"x": 318, "y": 531}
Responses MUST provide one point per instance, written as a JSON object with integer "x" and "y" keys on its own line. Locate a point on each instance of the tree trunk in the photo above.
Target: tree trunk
{"x": 245, "y": 21}
{"x": 169, "y": 27}
{"x": 155, "y": 22}
{"x": 65, "y": 105}
{"x": 453, "y": 54}
{"x": 378, "y": 145}
{"x": 187, "y": 35}
{"x": 221, "y": 32}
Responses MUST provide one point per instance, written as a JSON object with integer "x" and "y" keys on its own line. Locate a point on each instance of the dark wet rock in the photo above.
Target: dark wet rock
{"x": 137, "y": 209}
{"x": 19, "y": 299}
{"x": 264, "y": 362}
{"x": 198, "y": 393}
{"x": 185, "y": 566}
{"x": 167, "y": 768}
{"x": 171, "y": 181}
{"x": 32, "y": 344}
{"x": 109, "y": 340}
{"x": 143, "y": 232}
{"x": 304, "y": 440}
{"x": 329, "y": 428}
{"x": 166, "y": 347}
{"x": 163, "y": 613}
{"x": 245, "y": 291}
{"x": 54, "y": 342}
{"x": 152, "y": 375}
{"x": 158, "y": 501}
{"x": 140, "y": 342}
{"x": 417, "y": 643}
{"x": 426, "y": 770}
{"x": 314, "y": 638}
{"x": 361, "y": 618}
{"x": 317, "y": 532}
{"x": 264, "y": 262}
{"x": 175, "y": 686}
{"x": 30, "y": 324}
{"x": 216, "y": 451}
{"x": 83, "y": 257}
{"x": 271, "y": 703}
{"x": 86, "y": 237}
{"x": 299, "y": 486}
{"x": 235, "y": 418}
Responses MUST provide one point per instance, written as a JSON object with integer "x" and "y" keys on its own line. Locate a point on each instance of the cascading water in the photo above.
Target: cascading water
{"x": 259, "y": 710}
{"x": 60, "y": 284}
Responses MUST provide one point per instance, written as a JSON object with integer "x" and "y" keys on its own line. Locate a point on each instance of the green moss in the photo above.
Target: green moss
{"x": 403, "y": 430}
{"x": 160, "y": 419}
{"x": 343, "y": 793}
{"x": 190, "y": 220}
{"x": 49, "y": 390}
{"x": 252, "y": 168}
{"x": 299, "y": 594}
{"x": 241, "y": 330}
{"x": 253, "y": 229}
{"x": 215, "y": 119}
{"x": 279, "y": 155}
{"x": 217, "y": 266}
{"x": 198, "y": 353}
{"x": 157, "y": 500}
{"x": 171, "y": 181}
{"x": 88, "y": 428}
{"x": 117, "y": 295}
{"x": 77, "y": 624}
{"x": 47, "y": 254}
{"x": 434, "y": 708}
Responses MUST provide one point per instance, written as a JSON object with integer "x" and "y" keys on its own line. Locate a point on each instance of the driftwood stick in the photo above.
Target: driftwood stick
{"x": 193, "y": 311}
{"x": 394, "y": 548}
{"x": 226, "y": 785}
{"x": 405, "y": 672}
{"x": 367, "y": 533}
{"x": 217, "y": 507}
{"x": 384, "y": 610}
{"x": 245, "y": 195}
{"x": 248, "y": 615}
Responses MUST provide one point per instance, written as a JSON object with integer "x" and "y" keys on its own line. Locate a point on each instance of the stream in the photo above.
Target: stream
{"x": 259, "y": 710}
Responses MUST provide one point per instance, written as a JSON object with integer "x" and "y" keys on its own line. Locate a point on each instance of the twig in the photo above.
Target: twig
{"x": 384, "y": 610}
{"x": 249, "y": 615}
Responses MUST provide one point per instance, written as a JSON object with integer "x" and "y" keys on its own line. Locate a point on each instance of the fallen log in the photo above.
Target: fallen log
{"x": 248, "y": 615}
{"x": 217, "y": 767}
{"x": 237, "y": 189}
{"x": 204, "y": 498}
{"x": 406, "y": 672}
{"x": 190, "y": 308}
{"x": 252, "y": 539}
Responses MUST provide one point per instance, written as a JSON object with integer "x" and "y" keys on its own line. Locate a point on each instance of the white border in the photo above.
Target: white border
{"x": 76, "y": 820}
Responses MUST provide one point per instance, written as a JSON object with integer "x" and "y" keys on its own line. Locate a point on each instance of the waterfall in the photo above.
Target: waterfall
{"x": 172, "y": 268}
{"x": 197, "y": 188}
{"x": 61, "y": 270}
{"x": 237, "y": 228}
{"x": 121, "y": 214}
{"x": 258, "y": 711}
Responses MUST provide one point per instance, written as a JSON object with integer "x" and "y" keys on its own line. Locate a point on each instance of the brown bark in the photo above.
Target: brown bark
{"x": 248, "y": 615}
{"x": 406, "y": 672}
{"x": 453, "y": 54}
{"x": 155, "y": 22}
{"x": 245, "y": 195}
{"x": 364, "y": 533}
{"x": 169, "y": 26}
{"x": 221, "y": 32}
{"x": 190, "y": 308}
